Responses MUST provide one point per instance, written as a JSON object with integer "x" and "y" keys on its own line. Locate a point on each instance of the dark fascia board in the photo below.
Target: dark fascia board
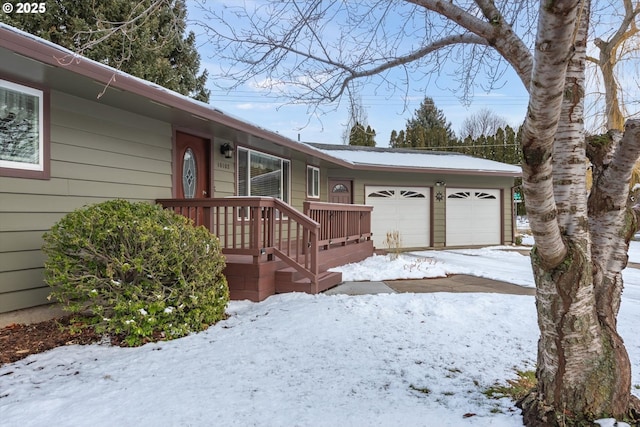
{"x": 40, "y": 50}
{"x": 362, "y": 166}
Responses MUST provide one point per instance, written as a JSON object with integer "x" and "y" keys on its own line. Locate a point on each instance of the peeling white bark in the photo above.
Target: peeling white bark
{"x": 554, "y": 44}
{"x": 609, "y": 215}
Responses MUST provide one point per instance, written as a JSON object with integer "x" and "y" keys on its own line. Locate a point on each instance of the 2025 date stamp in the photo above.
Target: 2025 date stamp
{"x": 32, "y": 7}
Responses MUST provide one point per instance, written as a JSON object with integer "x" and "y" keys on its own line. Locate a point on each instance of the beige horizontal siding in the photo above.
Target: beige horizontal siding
{"x": 86, "y": 172}
{"x": 439, "y": 211}
{"x": 109, "y": 190}
{"x": 29, "y": 203}
{"x": 121, "y": 163}
{"x": 108, "y": 144}
{"x": 93, "y": 117}
{"x": 23, "y": 260}
{"x": 32, "y": 186}
{"x": 224, "y": 172}
{"x": 98, "y": 153}
{"x": 25, "y": 298}
{"x": 298, "y": 184}
{"x": 508, "y": 216}
{"x": 28, "y": 221}
{"x": 20, "y": 241}
{"x": 14, "y": 281}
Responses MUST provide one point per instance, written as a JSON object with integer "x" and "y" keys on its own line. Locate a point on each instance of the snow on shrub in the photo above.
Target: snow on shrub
{"x": 140, "y": 271}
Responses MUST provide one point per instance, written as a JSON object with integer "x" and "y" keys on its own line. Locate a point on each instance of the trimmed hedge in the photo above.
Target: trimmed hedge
{"x": 140, "y": 271}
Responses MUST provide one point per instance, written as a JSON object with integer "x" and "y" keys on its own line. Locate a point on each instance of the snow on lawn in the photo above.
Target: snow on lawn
{"x": 384, "y": 267}
{"x": 491, "y": 262}
{"x": 308, "y": 360}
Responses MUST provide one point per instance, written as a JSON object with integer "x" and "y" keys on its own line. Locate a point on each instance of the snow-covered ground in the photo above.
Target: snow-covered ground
{"x": 314, "y": 360}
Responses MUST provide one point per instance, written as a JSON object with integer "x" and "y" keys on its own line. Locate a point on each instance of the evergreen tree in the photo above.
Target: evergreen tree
{"x": 400, "y": 141}
{"x": 154, "y": 48}
{"x": 501, "y": 148}
{"x": 393, "y": 139}
{"x": 361, "y": 136}
{"x": 371, "y": 137}
{"x": 427, "y": 128}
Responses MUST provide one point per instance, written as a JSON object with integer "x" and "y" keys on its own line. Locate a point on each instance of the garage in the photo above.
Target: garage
{"x": 405, "y": 209}
{"x": 473, "y": 217}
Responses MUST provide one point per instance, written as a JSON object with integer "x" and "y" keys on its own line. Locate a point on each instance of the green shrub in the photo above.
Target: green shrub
{"x": 138, "y": 270}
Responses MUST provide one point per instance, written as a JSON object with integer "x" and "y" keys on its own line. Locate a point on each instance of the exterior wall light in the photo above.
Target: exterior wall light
{"x": 226, "y": 150}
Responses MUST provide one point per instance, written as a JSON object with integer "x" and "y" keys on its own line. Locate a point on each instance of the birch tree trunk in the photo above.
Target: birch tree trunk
{"x": 583, "y": 368}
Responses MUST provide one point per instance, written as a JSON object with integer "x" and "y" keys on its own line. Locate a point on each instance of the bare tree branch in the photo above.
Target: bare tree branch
{"x": 300, "y": 53}
{"x": 496, "y": 32}
{"x": 611, "y": 53}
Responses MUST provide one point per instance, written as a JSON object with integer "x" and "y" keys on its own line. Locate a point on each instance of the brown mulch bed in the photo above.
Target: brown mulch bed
{"x": 18, "y": 341}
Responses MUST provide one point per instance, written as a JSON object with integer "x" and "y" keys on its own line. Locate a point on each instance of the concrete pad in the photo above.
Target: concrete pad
{"x": 459, "y": 283}
{"x": 360, "y": 288}
{"x": 32, "y": 315}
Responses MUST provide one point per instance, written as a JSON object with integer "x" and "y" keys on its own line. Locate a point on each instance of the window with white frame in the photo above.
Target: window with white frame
{"x": 261, "y": 174}
{"x": 22, "y": 136}
{"x": 313, "y": 182}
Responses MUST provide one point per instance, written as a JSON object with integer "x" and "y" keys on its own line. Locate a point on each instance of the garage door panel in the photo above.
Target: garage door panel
{"x": 473, "y": 217}
{"x": 402, "y": 209}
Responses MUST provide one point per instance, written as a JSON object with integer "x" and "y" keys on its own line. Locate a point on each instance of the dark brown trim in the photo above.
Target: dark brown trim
{"x": 175, "y": 181}
{"x": 435, "y": 171}
{"x": 502, "y": 242}
{"x": 514, "y": 215}
{"x": 45, "y": 173}
{"x": 260, "y": 150}
{"x": 174, "y": 163}
{"x": 306, "y": 183}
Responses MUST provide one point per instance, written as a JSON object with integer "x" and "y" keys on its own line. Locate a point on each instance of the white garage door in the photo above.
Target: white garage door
{"x": 405, "y": 209}
{"x": 473, "y": 217}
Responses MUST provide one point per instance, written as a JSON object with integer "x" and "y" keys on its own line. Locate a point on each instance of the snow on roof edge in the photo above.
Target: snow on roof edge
{"x": 411, "y": 158}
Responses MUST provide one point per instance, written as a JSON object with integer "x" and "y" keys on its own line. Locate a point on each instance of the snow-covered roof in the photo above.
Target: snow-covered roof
{"x": 417, "y": 159}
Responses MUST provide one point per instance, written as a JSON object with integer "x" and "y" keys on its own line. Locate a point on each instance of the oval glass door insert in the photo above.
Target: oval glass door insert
{"x": 189, "y": 174}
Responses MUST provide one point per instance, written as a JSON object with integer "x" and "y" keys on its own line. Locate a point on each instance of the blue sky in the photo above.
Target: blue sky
{"x": 385, "y": 111}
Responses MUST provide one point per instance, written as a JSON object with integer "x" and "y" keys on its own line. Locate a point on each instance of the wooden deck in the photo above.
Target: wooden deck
{"x": 272, "y": 248}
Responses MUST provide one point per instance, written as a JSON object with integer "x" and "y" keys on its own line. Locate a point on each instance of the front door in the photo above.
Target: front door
{"x": 340, "y": 191}
{"x": 192, "y": 160}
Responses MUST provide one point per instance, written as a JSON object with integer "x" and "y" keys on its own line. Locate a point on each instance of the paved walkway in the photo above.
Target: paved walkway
{"x": 456, "y": 283}
{"x": 459, "y": 283}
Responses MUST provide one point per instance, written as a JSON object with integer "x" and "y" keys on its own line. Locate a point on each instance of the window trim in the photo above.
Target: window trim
{"x": 42, "y": 169}
{"x": 314, "y": 191}
{"x": 285, "y": 191}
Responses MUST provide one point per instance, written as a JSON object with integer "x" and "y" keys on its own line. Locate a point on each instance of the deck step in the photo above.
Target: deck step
{"x": 287, "y": 281}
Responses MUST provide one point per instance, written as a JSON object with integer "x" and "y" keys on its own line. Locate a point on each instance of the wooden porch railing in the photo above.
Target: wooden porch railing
{"x": 340, "y": 223}
{"x": 257, "y": 226}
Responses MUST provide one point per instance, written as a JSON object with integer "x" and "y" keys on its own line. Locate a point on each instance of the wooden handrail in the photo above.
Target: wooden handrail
{"x": 258, "y": 226}
{"x": 297, "y": 215}
{"x": 309, "y": 205}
